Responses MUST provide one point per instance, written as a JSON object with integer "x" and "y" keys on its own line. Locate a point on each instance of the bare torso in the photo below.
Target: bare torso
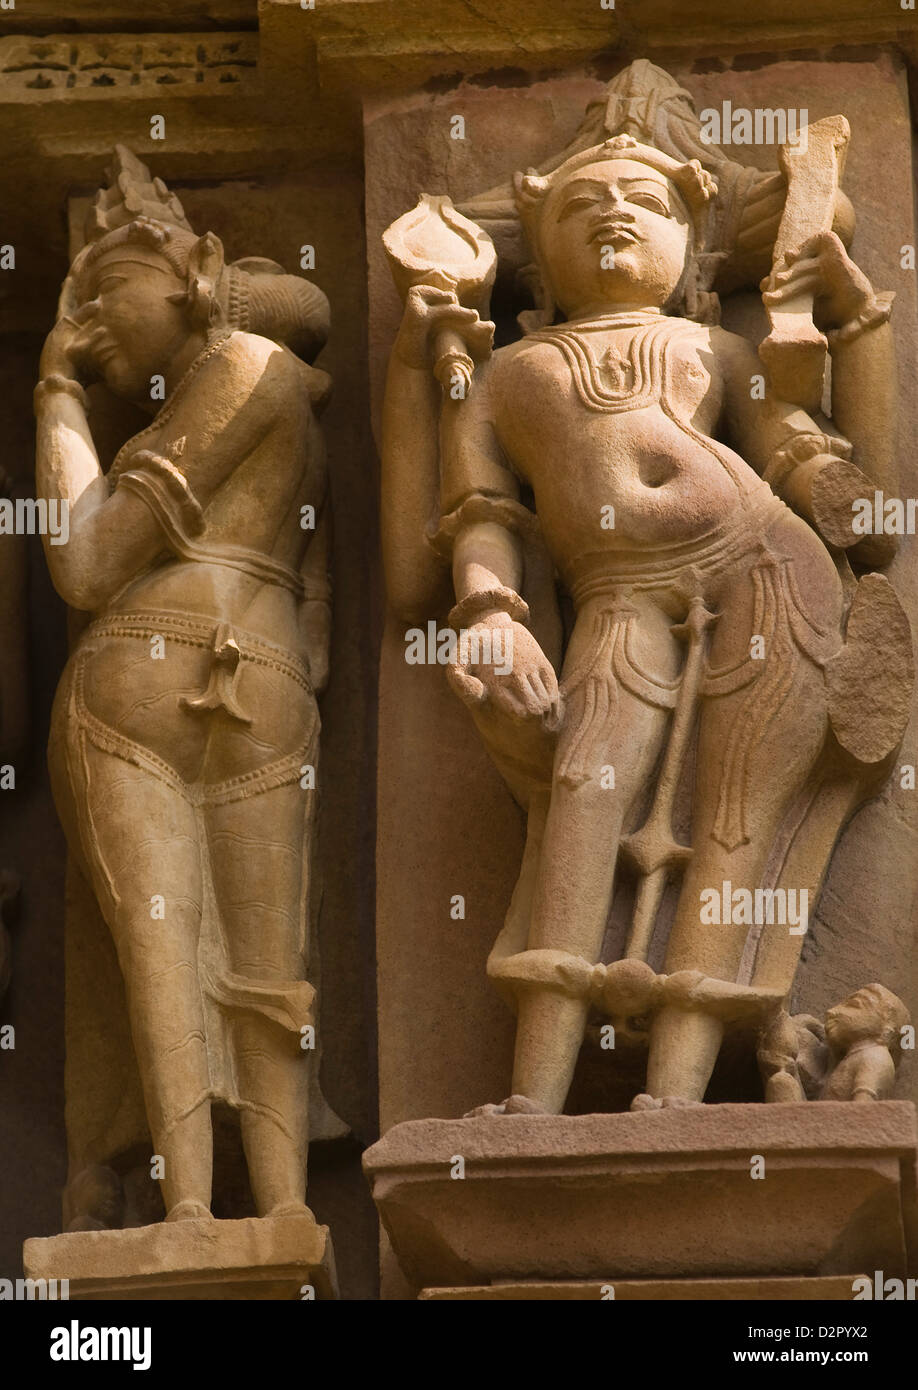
{"x": 645, "y": 423}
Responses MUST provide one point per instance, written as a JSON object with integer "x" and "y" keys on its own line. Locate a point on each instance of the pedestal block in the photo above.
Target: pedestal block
{"x": 257, "y": 1258}
{"x": 820, "y": 1192}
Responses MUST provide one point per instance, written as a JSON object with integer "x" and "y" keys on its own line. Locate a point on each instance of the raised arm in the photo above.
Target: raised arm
{"x": 822, "y": 470}
{"x": 116, "y": 532}
{"x": 417, "y": 578}
{"x": 107, "y": 536}
{"x": 863, "y": 385}
{"x": 856, "y": 320}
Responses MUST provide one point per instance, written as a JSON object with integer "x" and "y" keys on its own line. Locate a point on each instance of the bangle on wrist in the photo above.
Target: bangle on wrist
{"x": 64, "y": 384}
{"x": 798, "y": 451}
{"x": 485, "y": 601}
{"x": 871, "y": 316}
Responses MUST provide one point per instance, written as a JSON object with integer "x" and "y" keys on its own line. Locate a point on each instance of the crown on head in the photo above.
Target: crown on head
{"x": 137, "y": 219}
{"x": 131, "y": 195}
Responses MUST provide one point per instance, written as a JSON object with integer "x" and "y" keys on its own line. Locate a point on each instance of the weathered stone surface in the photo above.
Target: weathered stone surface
{"x": 73, "y": 67}
{"x": 249, "y": 1259}
{"x": 218, "y": 999}
{"x": 465, "y": 831}
{"x": 666, "y": 1195}
{"x": 829, "y": 1287}
{"x": 379, "y": 44}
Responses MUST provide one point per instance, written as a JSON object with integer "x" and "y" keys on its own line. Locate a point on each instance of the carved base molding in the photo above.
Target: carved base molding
{"x": 831, "y": 1288}
{"x": 670, "y": 1196}
{"x": 268, "y": 1258}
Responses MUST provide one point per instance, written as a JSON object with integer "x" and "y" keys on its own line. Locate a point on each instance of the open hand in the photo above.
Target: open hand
{"x": 69, "y": 346}
{"x": 518, "y": 680}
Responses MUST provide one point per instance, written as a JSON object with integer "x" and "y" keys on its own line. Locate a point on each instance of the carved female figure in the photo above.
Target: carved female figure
{"x": 187, "y": 712}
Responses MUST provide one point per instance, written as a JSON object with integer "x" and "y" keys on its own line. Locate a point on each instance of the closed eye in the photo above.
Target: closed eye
{"x": 652, "y": 204}
{"x": 577, "y": 205}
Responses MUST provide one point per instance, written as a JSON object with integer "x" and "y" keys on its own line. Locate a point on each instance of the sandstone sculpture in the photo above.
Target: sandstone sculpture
{"x": 735, "y": 677}
{"x": 852, "y": 1055}
{"x": 186, "y": 720}
{"x": 14, "y": 698}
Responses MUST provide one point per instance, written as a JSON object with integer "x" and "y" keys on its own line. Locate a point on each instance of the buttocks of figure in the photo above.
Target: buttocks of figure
{"x": 592, "y": 417}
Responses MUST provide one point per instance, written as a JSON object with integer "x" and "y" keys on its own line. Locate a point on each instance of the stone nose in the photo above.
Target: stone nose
{"x": 614, "y": 206}
{"x": 615, "y": 199}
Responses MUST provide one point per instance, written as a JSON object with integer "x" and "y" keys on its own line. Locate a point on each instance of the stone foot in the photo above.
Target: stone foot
{"x": 291, "y": 1209}
{"x": 86, "y": 1223}
{"x": 645, "y": 1102}
{"x": 190, "y": 1210}
{"x": 513, "y": 1105}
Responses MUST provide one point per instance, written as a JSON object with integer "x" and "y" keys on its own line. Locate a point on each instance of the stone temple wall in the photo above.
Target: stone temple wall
{"x": 299, "y": 134}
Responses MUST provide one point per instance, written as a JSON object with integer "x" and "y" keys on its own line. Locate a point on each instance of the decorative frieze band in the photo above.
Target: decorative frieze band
{"x": 34, "y": 68}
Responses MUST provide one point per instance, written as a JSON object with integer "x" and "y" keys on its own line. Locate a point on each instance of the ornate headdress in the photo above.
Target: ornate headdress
{"x": 645, "y": 102}
{"x": 137, "y": 218}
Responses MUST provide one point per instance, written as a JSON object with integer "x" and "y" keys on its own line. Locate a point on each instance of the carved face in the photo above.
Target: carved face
{"x": 131, "y": 331}
{"x": 614, "y": 235}
{"x": 857, "y": 1017}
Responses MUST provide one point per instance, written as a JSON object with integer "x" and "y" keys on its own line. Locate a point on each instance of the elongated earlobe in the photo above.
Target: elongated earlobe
{"x": 205, "y": 271}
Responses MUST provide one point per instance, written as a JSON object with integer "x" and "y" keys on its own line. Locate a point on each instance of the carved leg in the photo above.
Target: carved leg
{"x": 830, "y": 803}
{"x": 514, "y": 933}
{"x": 260, "y": 878}
{"x": 684, "y": 1044}
{"x": 140, "y": 841}
{"x": 573, "y": 890}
